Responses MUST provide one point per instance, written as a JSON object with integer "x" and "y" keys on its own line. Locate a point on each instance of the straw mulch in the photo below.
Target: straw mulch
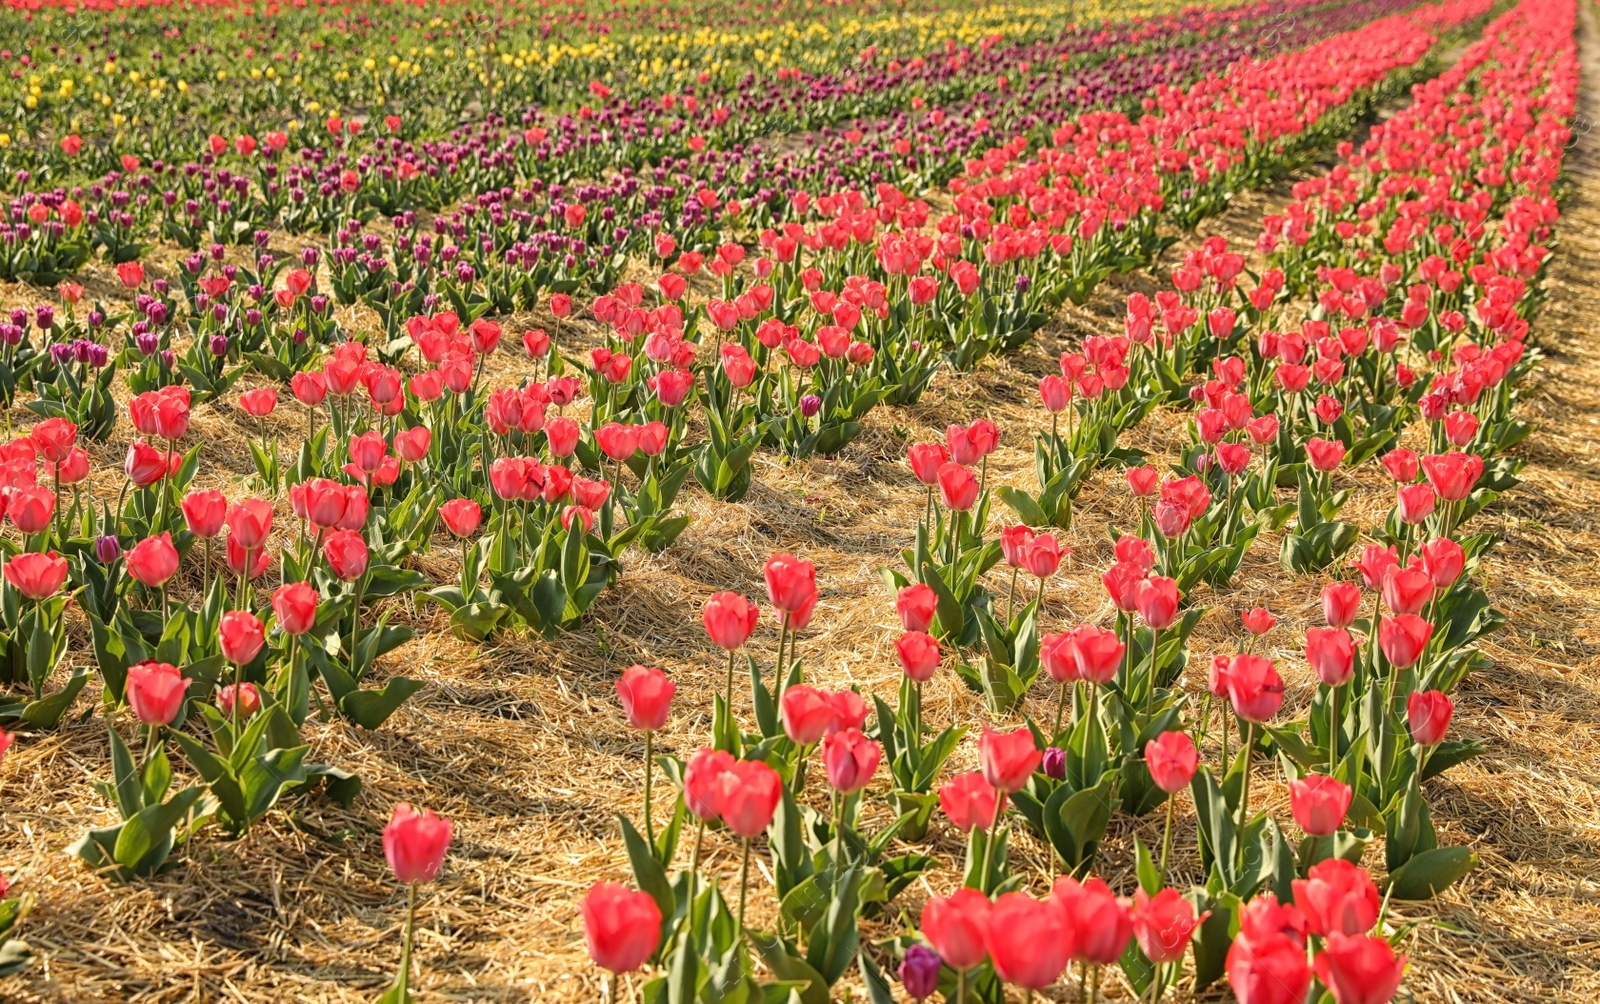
{"x": 521, "y": 742}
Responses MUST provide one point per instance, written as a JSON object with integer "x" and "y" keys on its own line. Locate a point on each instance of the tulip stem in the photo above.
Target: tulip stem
{"x": 1061, "y": 707}
{"x": 961, "y": 986}
{"x": 649, "y": 754}
{"x": 1244, "y": 782}
{"x": 988, "y": 842}
{"x": 728, "y": 698}
{"x": 694, "y": 855}
{"x": 1150, "y": 692}
{"x": 403, "y": 981}
{"x": 1094, "y": 984}
{"x": 1166, "y": 837}
{"x": 355, "y": 631}
{"x": 1333, "y": 730}
{"x": 744, "y": 882}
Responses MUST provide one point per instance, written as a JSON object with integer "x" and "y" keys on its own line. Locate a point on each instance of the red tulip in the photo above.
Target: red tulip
{"x": 791, "y": 582}
{"x": 1254, "y": 687}
{"x": 153, "y": 560}
{"x": 1098, "y": 653}
{"x": 1331, "y": 654}
{"x": 461, "y": 516}
{"x": 646, "y": 696}
{"x": 1172, "y": 759}
{"x": 1324, "y": 454}
{"x": 916, "y": 605}
{"x": 251, "y": 564}
{"x": 37, "y": 576}
{"x": 751, "y": 791}
{"x": 926, "y": 459}
{"x": 969, "y": 801}
{"x": 412, "y": 444}
{"x": 850, "y": 759}
{"x": 155, "y": 692}
{"x": 957, "y": 926}
{"x": 1042, "y": 555}
{"x": 622, "y": 927}
{"x": 1269, "y": 970}
{"x": 1099, "y": 921}
{"x": 1374, "y": 564}
{"x": 346, "y": 552}
{"x": 367, "y": 450}
{"x": 1427, "y": 714}
{"x": 295, "y": 605}
{"x": 1359, "y": 969}
{"x": 1319, "y": 803}
{"x": 1443, "y": 559}
{"x": 729, "y": 620}
{"x": 249, "y": 699}
{"x": 1453, "y": 475}
{"x": 259, "y": 403}
{"x": 1415, "y": 503}
{"x": 325, "y": 502}
{"x": 1029, "y": 940}
{"x": 54, "y": 438}
{"x": 919, "y": 655}
{"x": 415, "y": 844}
{"x": 617, "y": 441}
{"x": 1337, "y": 898}
{"x": 958, "y": 489}
{"x": 1341, "y": 601}
{"x": 1407, "y": 590}
{"x": 1403, "y": 638}
{"x": 204, "y": 512}
{"x": 31, "y": 509}
{"x": 1059, "y": 655}
{"x": 249, "y": 522}
{"x": 1258, "y": 620}
{"x": 242, "y": 635}
{"x": 1157, "y": 602}
{"x": 702, "y": 782}
{"x": 1163, "y": 924}
{"x": 1013, "y": 541}
{"x": 1122, "y": 581}
{"x": 1008, "y": 758}
{"x": 807, "y": 714}
{"x": 309, "y": 388}
{"x": 1143, "y": 481}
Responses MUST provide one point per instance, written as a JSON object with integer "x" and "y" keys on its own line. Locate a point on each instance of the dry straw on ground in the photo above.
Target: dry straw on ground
{"x": 521, "y": 742}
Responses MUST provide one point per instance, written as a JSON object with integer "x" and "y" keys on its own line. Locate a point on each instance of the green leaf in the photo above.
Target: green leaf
{"x": 371, "y": 708}
{"x": 1431, "y": 872}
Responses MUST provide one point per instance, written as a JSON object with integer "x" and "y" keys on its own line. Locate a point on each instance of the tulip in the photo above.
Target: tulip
{"x": 1101, "y": 922}
{"x": 925, "y": 460}
{"x": 1258, "y": 621}
{"x": 919, "y": 971}
{"x": 807, "y": 714}
{"x": 1098, "y": 654}
{"x": 1427, "y": 715}
{"x": 248, "y": 700}
{"x": 957, "y": 926}
{"x": 295, "y": 605}
{"x": 969, "y": 801}
{"x": 37, "y": 575}
{"x": 259, "y": 403}
{"x": 958, "y": 488}
{"x": 919, "y": 655}
{"x": 1172, "y": 760}
{"x": 346, "y": 553}
{"x": 31, "y": 509}
{"x": 1341, "y": 601}
{"x": 204, "y": 512}
{"x": 850, "y": 760}
{"x": 916, "y": 605}
{"x": 1443, "y": 560}
{"x": 1268, "y": 970}
{"x": 415, "y": 844}
{"x": 1254, "y": 687}
{"x": 1359, "y": 969}
{"x": 646, "y": 696}
{"x": 1337, "y": 897}
{"x": 242, "y": 635}
{"x": 751, "y": 791}
{"x": 1407, "y": 590}
{"x": 729, "y": 620}
{"x": 1157, "y": 603}
{"x": 622, "y": 927}
{"x": 461, "y": 516}
{"x": 153, "y": 561}
{"x": 791, "y": 582}
{"x": 702, "y": 784}
{"x": 1319, "y": 803}
{"x": 1028, "y": 940}
{"x": 1415, "y": 503}
{"x": 1163, "y": 924}
{"x": 1403, "y": 638}
{"x": 1331, "y": 653}
{"x": 1008, "y": 759}
{"x": 155, "y": 691}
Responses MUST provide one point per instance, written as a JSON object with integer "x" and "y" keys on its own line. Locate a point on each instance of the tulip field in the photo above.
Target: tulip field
{"x": 793, "y": 502}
